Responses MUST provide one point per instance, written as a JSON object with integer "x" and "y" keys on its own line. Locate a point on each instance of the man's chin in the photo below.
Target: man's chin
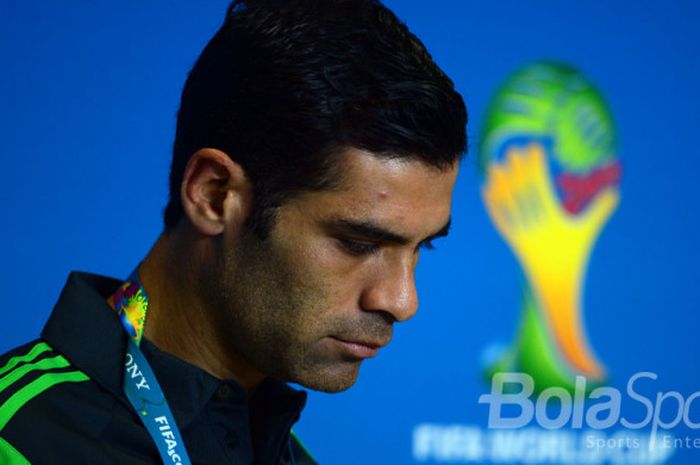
{"x": 330, "y": 379}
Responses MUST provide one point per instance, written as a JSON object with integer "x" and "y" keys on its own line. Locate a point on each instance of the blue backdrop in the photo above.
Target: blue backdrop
{"x": 88, "y": 96}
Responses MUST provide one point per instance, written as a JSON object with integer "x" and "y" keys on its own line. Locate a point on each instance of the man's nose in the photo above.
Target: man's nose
{"x": 393, "y": 291}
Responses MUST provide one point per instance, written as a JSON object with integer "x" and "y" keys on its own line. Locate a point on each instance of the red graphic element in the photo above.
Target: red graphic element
{"x": 127, "y": 290}
{"x": 579, "y": 190}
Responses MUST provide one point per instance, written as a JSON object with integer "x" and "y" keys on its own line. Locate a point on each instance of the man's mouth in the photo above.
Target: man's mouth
{"x": 361, "y": 348}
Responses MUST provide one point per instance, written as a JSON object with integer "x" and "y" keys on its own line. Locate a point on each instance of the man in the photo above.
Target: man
{"x": 316, "y": 150}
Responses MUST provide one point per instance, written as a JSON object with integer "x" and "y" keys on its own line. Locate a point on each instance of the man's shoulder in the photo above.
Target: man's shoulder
{"x": 31, "y": 369}
{"x": 42, "y": 398}
{"x": 32, "y": 362}
{"x": 15, "y": 352}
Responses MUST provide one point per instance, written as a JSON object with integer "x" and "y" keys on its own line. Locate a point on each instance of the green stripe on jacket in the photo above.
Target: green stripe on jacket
{"x": 33, "y": 389}
{"x": 9, "y": 455}
{"x": 33, "y": 353}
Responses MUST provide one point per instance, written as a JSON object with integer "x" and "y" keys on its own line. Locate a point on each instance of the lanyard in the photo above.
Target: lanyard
{"x": 140, "y": 384}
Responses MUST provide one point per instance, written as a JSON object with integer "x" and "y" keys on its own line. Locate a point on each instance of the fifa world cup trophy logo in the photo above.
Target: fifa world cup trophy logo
{"x": 550, "y": 186}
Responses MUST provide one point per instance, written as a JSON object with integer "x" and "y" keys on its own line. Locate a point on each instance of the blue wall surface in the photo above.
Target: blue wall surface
{"x": 88, "y": 96}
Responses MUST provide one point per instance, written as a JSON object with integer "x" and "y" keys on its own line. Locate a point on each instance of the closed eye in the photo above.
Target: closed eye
{"x": 358, "y": 248}
{"x": 363, "y": 238}
{"x": 427, "y": 245}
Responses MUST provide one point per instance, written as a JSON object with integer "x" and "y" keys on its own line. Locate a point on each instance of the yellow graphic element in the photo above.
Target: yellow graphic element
{"x": 136, "y": 313}
{"x": 131, "y": 304}
{"x": 552, "y": 245}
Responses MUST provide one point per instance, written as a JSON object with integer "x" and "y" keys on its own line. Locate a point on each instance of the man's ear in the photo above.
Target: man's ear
{"x": 215, "y": 192}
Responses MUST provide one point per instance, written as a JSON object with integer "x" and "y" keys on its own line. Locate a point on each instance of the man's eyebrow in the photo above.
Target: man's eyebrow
{"x": 372, "y": 231}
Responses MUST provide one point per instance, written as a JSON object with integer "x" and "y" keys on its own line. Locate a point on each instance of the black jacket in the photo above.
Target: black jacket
{"x": 61, "y": 397}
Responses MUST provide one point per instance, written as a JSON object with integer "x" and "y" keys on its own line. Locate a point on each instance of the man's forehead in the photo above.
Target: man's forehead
{"x": 396, "y": 200}
{"x": 382, "y": 171}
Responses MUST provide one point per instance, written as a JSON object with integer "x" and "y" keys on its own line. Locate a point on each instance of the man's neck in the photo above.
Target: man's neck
{"x": 178, "y": 321}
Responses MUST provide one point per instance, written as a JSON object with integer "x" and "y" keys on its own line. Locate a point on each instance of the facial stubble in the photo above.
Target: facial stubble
{"x": 271, "y": 309}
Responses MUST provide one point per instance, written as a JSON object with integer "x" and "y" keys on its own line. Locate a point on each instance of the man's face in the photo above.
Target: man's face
{"x": 321, "y": 293}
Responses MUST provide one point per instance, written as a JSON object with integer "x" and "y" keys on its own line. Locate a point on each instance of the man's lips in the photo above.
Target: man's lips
{"x": 361, "y": 348}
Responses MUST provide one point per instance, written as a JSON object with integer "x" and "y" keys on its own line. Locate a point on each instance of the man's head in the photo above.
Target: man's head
{"x": 316, "y": 150}
{"x": 284, "y": 86}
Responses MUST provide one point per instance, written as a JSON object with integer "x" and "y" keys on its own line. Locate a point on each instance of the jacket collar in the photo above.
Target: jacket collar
{"x": 87, "y": 331}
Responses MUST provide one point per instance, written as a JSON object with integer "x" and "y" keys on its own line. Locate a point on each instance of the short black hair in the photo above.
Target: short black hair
{"x": 285, "y": 85}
